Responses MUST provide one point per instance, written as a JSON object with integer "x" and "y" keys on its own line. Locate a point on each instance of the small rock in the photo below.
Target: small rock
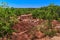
{"x": 45, "y": 38}
{"x": 54, "y": 22}
{"x": 57, "y": 26}
{"x": 39, "y": 34}
{"x": 55, "y": 38}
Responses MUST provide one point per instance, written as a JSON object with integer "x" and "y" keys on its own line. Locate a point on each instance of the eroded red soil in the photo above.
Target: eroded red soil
{"x": 24, "y": 29}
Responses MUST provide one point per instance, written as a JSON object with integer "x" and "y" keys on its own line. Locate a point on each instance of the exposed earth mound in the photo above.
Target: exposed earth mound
{"x": 28, "y": 29}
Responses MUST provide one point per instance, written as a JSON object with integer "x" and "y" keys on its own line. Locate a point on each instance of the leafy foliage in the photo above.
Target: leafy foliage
{"x": 7, "y": 19}
{"x": 8, "y": 16}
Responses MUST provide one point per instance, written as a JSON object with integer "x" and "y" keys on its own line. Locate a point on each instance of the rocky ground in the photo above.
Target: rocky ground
{"x": 25, "y": 29}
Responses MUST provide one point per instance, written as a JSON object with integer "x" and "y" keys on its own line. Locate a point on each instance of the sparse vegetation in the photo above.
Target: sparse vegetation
{"x": 8, "y": 18}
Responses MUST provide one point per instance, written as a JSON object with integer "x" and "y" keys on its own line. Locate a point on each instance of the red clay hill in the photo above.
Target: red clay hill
{"x": 25, "y": 29}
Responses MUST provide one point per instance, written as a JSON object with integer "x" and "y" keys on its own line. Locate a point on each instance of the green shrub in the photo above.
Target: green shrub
{"x": 7, "y": 20}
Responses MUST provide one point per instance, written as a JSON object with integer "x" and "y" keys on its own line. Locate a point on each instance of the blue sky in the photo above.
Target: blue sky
{"x": 30, "y": 3}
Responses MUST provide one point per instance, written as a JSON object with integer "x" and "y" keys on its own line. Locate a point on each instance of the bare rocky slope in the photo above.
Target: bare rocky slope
{"x": 25, "y": 29}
